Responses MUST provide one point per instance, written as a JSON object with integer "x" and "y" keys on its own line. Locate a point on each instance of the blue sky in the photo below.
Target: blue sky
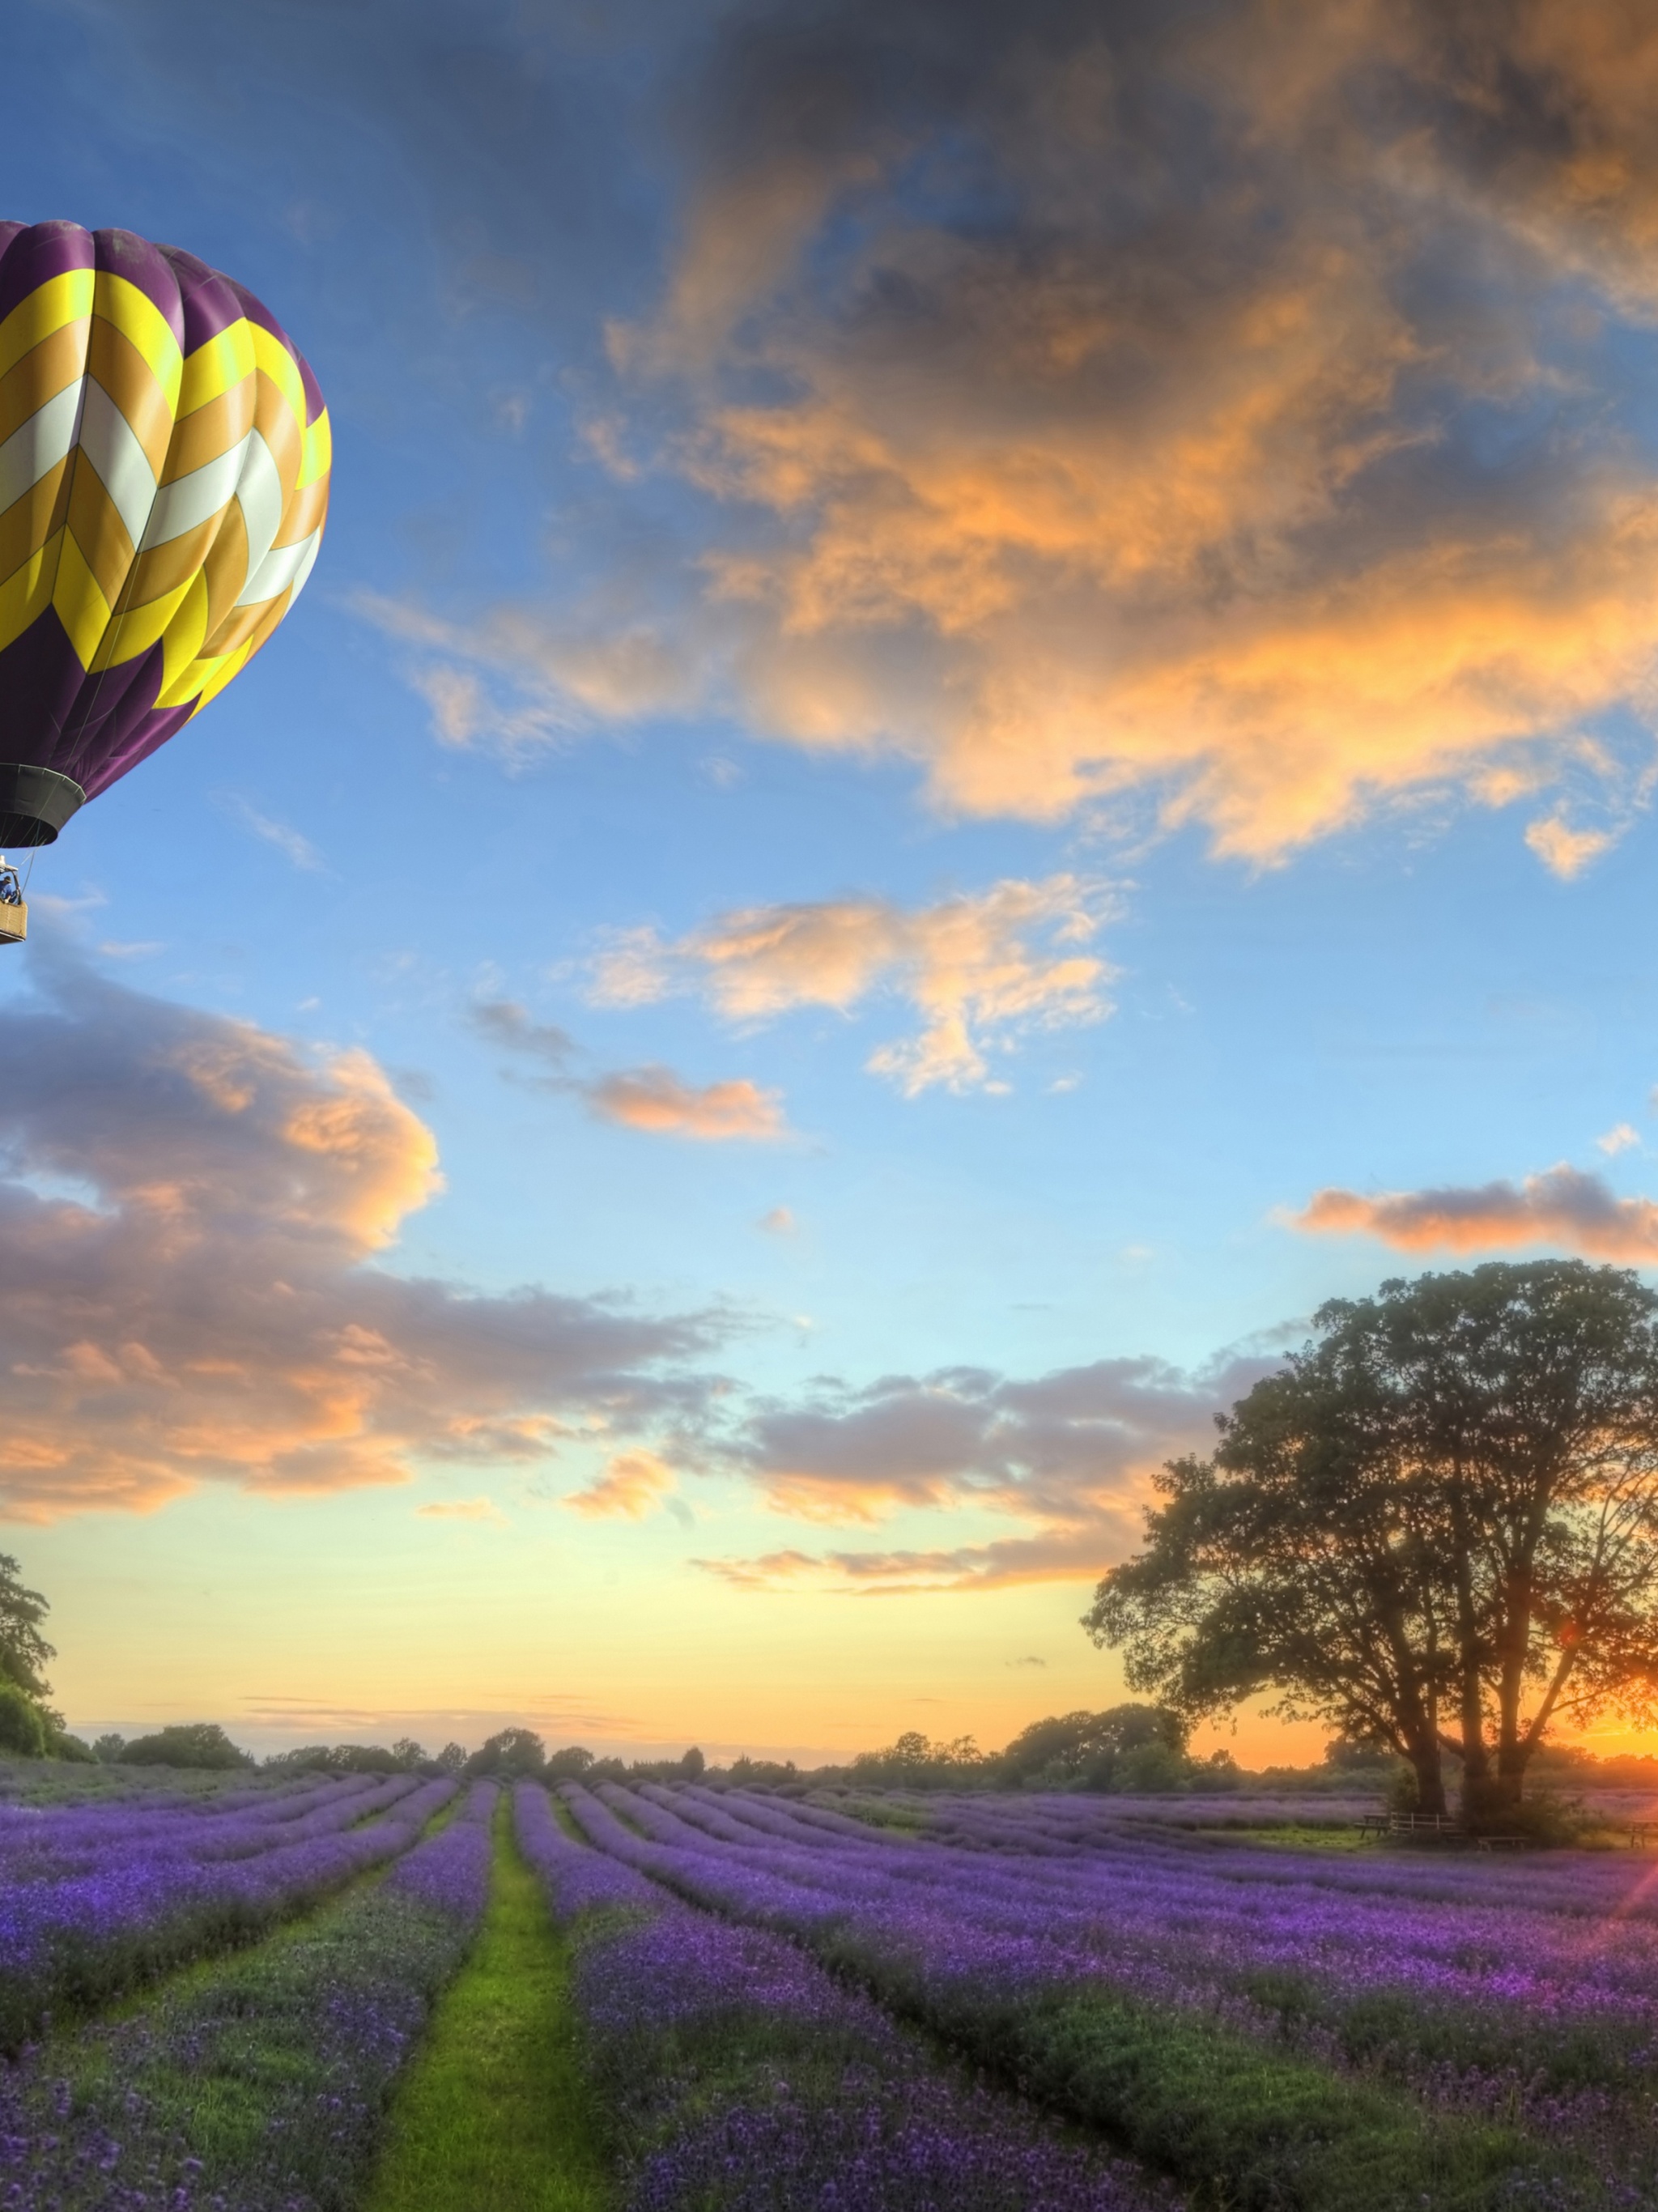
{"x": 956, "y": 664}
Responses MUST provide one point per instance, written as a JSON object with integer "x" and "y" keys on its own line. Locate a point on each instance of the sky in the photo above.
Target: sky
{"x": 977, "y": 719}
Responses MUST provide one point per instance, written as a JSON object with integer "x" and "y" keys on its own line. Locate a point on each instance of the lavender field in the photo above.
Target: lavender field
{"x": 233, "y": 1998}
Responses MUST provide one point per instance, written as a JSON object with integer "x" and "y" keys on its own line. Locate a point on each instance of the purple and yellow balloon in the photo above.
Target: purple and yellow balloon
{"x": 164, "y": 462}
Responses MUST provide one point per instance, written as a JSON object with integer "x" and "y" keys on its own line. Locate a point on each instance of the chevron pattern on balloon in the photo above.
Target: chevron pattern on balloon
{"x": 164, "y": 470}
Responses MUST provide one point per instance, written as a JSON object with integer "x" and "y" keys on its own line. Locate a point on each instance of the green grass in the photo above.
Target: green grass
{"x": 1293, "y": 1837}
{"x": 1247, "y": 2128}
{"x": 493, "y": 2115}
{"x": 1241, "y": 2124}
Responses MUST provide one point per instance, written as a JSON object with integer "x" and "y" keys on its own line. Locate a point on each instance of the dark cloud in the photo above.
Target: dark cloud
{"x": 190, "y": 1209}
{"x": 1064, "y": 1456}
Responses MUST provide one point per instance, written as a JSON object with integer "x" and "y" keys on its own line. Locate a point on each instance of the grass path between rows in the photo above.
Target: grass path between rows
{"x": 493, "y": 2115}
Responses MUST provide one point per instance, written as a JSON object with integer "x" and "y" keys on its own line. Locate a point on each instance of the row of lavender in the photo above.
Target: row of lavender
{"x": 1483, "y": 2024}
{"x": 95, "y": 1900}
{"x": 1549, "y": 1964}
{"x": 732, "y": 2071}
{"x": 261, "y": 2084}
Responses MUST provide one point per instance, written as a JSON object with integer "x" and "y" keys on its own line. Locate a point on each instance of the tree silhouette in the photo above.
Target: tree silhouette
{"x": 1436, "y": 1528}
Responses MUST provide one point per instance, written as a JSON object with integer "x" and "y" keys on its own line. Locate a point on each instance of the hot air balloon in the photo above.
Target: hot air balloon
{"x": 164, "y": 463}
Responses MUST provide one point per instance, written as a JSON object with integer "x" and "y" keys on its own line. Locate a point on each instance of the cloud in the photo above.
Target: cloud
{"x": 633, "y": 1485}
{"x": 1562, "y": 1206}
{"x": 981, "y": 970}
{"x": 464, "y": 1509}
{"x": 190, "y": 1213}
{"x": 773, "y": 1571}
{"x": 511, "y": 683}
{"x": 1235, "y": 414}
{"x": 1066, "y": 1458}
{"x": 778, "y": 1222}
{"x": 1222, "y": 414}
{"x": 505, "y": 1023}
{"x": 653, "y": 1099}
{"x": 1618, "y": 1139}
{"x": 1564, "y": 851}
{"x": 297, "y": 850}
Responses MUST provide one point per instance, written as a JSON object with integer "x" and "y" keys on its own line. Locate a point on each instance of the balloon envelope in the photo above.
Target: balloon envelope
{"x": 164, "y": 465}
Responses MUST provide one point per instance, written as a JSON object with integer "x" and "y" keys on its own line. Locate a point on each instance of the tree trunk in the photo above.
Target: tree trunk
{"x": 1509, "y": 1786}
{"x": 1512, "y": 1642}
{"x": 1429, "y": 1778}
{"x": 1482, "y": 1788}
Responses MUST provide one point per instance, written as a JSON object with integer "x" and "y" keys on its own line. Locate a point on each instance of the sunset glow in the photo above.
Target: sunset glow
{"x": 976, "y": 720}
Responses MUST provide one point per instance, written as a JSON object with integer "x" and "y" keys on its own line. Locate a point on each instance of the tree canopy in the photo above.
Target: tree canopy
{"x": 1436, "y": 1528}
{"x": 186, "y": 1743}
{"x": 513, "y": 1751}
{"x": 24, "y": 1652}
{"x": 1130, "y": 1746}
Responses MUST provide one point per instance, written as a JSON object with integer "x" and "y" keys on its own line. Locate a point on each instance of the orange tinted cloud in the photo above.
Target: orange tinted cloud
{"x": 633, "y": 1485}
{"x": 654, "y": 1099}
{"x": 1562, "y": 1206}
{"x": 205, "y": 1306}
{"x": 1078, "y": 1553}
{"x": 1271, "y": 457}
{"x": 978, "y": 969}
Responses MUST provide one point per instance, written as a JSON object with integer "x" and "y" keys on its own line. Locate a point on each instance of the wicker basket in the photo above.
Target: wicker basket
{"x": 13, "y": 923}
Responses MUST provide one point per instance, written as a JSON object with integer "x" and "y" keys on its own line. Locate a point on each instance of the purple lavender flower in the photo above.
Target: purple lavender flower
{"x": 733, "y": 2071}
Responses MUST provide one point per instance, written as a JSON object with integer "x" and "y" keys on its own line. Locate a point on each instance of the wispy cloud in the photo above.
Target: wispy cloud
{"x": 632, "y": 1487}
{"x": 296, "y": 849}
{"x": 1562, "y": 1206}
{"x": 464, "y": 1509}
{"x": 653, "y": 1099}
{"x": 1564, "y": 851}
{"x": 979, "y": 969}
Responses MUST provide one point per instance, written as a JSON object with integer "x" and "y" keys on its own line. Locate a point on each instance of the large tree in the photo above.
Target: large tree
{"x": 1436, "y": 1528}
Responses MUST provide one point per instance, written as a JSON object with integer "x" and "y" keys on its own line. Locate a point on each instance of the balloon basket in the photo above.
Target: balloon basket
{"x": 14, "y": 922}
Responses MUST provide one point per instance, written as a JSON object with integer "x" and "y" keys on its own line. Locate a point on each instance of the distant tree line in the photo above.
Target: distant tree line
{"x": 1129, "y": 1747}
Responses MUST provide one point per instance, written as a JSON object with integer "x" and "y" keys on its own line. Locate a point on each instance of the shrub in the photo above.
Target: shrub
{"x": 1150, "y": 1769}
{"x": 1543, "y": 1819}
{"x": 187, "y": 1743}
{"x": 22, "y": 1725}
{"x": 60, "y": 1744}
